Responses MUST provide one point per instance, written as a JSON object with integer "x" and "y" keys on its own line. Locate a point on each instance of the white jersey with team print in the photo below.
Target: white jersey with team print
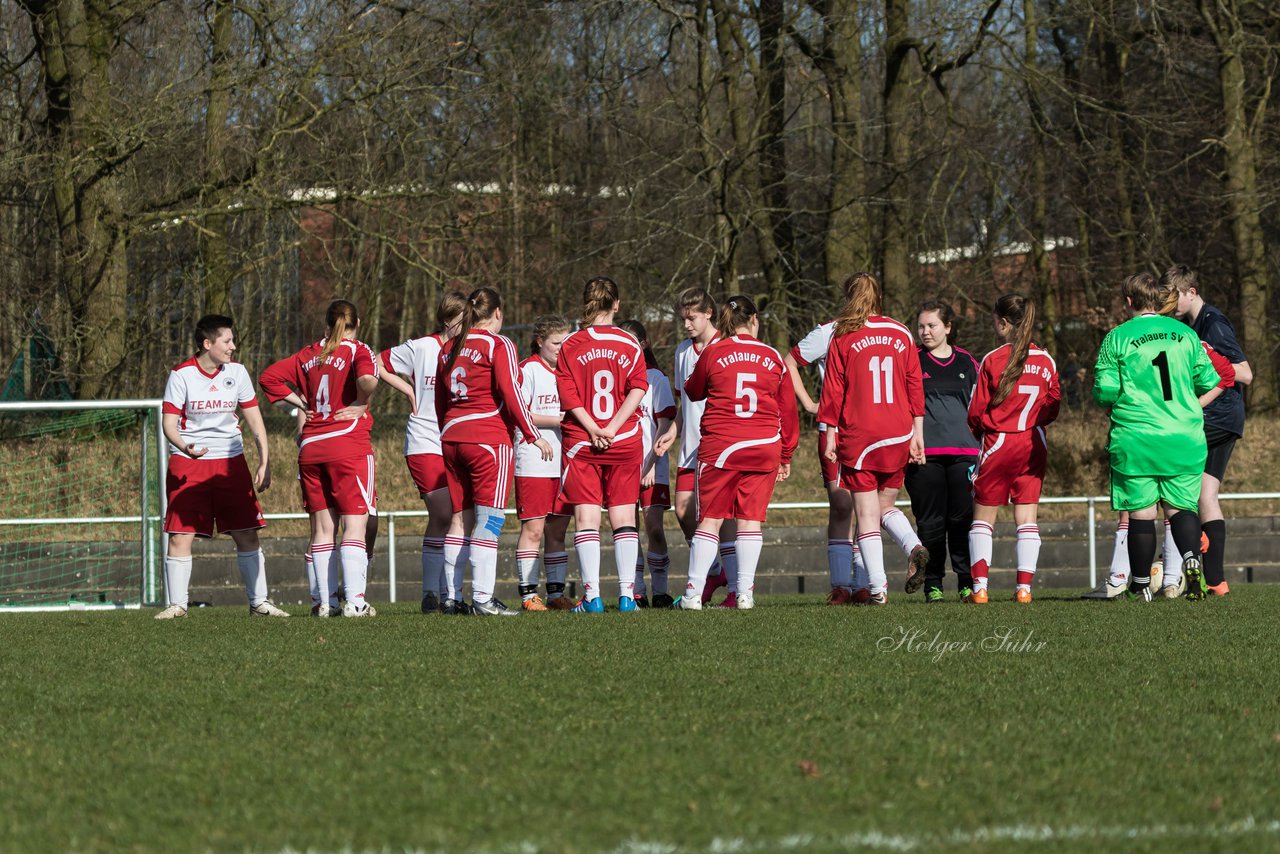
{"x": 418, "y": 359}
{"x": 658, "y": 402}
{"x": 812, "y": 350}
{"x": 687, "y": 354}
{"x": 538, "y": 388}
{"x": 206, "y": 406}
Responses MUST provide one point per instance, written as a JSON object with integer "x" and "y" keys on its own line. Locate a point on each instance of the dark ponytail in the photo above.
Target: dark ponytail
{"x": 598, "y": 297}
{"x": 1020, "y": 313}
{"x": 736, "y": 311}
{"x": 481, "y": 304}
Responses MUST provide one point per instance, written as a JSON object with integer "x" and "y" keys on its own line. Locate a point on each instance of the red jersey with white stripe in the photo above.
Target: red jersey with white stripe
{"x": 1032, "y": 403}
{"x": 417, "y": 359}
{"x": 687, "y": 353}
{"x": 871, "y": 393}
{"x": 598, "y": 366}
{"x": 750, "y": 422}
{"x": 327, "y": 386}
{"x": 206, "y": 405}
{"x": 540, "y": 393}
{"x": 479, "y": 401}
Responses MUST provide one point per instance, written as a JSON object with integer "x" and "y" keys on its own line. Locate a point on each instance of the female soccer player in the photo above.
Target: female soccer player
{"x": 418, "y": 358}
{"x": 538, "y": 480}
{"x": 478, "y": 406}
{"x": 334, "y": 379}
{"x": 750, "y": 428}
{"x": 208, "y": 481}
{"x": 1223, "y": 418}
{"x": 1016, "y": 398}
{"x": 940, "y": 490}
{"x": 697, "y": 311}
{"x": 657, "y": 412}
{"x": 601, "y": 378}
{"x": 873, "y": 407}
{"x": 1151, "y": 372}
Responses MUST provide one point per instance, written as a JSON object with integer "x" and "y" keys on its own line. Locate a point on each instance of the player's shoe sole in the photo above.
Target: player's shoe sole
{"x": 266, "y": 609}
{"x": 172, "y": 612}
{"x": 915, "y": 569}
{"x": 1193, "y": 577}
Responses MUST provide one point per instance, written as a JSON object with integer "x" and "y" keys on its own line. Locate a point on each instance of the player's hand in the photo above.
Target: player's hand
{"x": 784, "y": 472}
{"x": 917, "y": 449}
{"x": 649, "y": 476}
{"x": 262, "y": 479}
{"x": 664, "y": 443}
{"x": 351, "y": 413}
{"x": 544, "y": 447}
{"x": 194, "y": 452}
{"x": 830, "y": 452}
{"x": 811, "y": 407}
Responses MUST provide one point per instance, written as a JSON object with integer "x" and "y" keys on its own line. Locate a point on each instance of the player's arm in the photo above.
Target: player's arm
{"x": 366, "y": 384}
{"x": 253, "y": 417}
{"x": 1052, "y": 403}
{"x": 832, "y": 399}
{"x": 695, "y": 387}
{"x": 1106, "y": 375}
{"x": 398, "y": 383}
{"x": 980, "y": 401}
{"x": 915, "y": 402}
{"x": 391, "y": 366}
{"x": 788, "y": 419}
{"x": 279, "y": 382}
{"x": 1244, "y": 373}
{"x": 169, "y": 422}
{"x": 797, "y": 384}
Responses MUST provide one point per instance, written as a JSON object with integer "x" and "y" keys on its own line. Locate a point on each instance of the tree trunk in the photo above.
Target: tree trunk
{"x": 894, "y": 249}
{"x": 215, "y": 253}
{"x": 1039, "y": 180}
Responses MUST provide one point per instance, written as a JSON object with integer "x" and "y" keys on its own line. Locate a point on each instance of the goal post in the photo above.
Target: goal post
{"x": 81, "y": 511}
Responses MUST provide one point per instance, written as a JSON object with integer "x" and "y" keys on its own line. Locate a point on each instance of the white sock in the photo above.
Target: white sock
{"x": 177, "y": 579}
{"x": 587, "y": 546}
{"x": 1027, "y": 549}
{"x": 840, "y": 562}
{"x": 729, "y": 560}
{"x": 750, "y": 543}
{"x": 557, "y": 566}
{"x": 860, "y": 578}
{"x": 355, "y": 570}
{"x": 702, "y": 553}
{"x": 311, "y": 578}
{"x": 899, "y": 527}
{"x": 432, "y": 564}
{"x": 254, "y": 574}
{"x": 484, "y": 568}
{"x": 321, "y": 558}
{"x": 980, "y": 550}
{"x": 658, "y": 566}
{"x": 526, "y": 566}
{"x": 872, "y": 549}
{"x": 456, "y": 551}
{"x": 1119, "y": 576}
{"x": 1172, "y": 560}
{"x": 626, "y": 551}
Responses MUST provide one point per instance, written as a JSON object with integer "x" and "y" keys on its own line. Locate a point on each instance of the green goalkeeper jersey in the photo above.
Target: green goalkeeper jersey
{"x": 1151, "y": 371}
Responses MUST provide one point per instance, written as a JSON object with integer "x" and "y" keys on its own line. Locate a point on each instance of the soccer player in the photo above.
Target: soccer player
{"x": 1016, "y": 398}
{"x": 872, "y": 404}
{"x": 538, "y": 480}
{"x": 750, "y": 428}
{"x": 697, "y": 311}
{"x": 1150, "y": 372}
{"x": 940, "y": 489}
{"x": 417, "y": 359}
{"x": 1223, "y": 418}
{"x": 333, "y": 380}
{"x": 478, "y": 407}
{"x": 208, "y": 482}
{"x": 601, "y": 378}
{"x": 657, "y": 413}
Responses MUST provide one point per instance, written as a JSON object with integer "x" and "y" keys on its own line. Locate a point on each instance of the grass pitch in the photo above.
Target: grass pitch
{"x": 1063, "y": 725}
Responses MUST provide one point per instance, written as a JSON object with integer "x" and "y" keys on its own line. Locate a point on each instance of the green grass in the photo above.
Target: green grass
{"x": 790, "y": 726}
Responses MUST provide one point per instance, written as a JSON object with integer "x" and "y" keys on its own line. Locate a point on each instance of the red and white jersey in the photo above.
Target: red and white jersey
{"x": 479, "y": 401}
{"x": 538, "y": 388}
{"x": 658, "y": 403}
{"x": 327, "y": 386}
{"x": 417, "y": 359}
{"x": 206, "y": 406}
{"x": 871, "y": 392}
{"x": 687, "y": 354}
{"x": 598, "y": 366}
{"x": 750, "y": 422}
{"x": 812, "y": 350}
{"x": 1032, "y": 404}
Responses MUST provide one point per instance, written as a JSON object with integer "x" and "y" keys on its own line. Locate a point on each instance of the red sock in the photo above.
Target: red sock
{"x": 979, "y": 569}
{"x": 1025, "y": 577}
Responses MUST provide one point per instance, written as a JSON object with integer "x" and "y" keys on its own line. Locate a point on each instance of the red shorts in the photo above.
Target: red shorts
{"x": 1010, "y": 468}
{"x": 536, "y": 498}
{"x": 344, "y": 485}
{"x": 204, "y": 492}
{"x": 728, "y": 494}
{"x": 865, "y": 480}
{"x": 585, "y": 481}
{"x": 658, "y": 495}
{"x": 830, "y": 470}
{"x": 478, "y": 474}
{"x": 686, "y": 480}
{"x": 427, "y": 471}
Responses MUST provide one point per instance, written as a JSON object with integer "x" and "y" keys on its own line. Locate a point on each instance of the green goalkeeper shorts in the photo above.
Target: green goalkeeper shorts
{"x": 1138, "y": 492}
